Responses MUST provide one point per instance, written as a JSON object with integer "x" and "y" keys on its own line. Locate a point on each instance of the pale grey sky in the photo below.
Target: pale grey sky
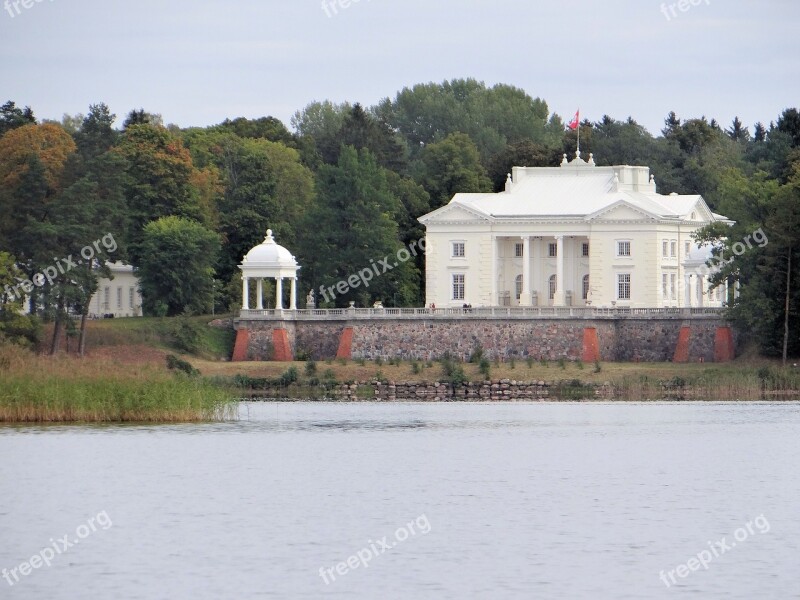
{"x": 197, "y": 62}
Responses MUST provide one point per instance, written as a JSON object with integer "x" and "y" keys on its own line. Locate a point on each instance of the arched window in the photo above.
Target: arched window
{"x": 518, "y": 285}
{"x": 552, "y": 286}
{"x": 585, "y": 287}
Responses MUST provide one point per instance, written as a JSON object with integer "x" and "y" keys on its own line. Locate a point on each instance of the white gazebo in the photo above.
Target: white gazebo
{"x": 269, "y": 260}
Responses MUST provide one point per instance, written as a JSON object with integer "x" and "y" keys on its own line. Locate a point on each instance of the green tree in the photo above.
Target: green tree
{"x": 160, "y": 178}
{"x": 12, "y": 117}
{"x": 176, "y": 271}
{"x": 15, "y": 327}
{"x": 351, "y": 227}
{"x": 449, "y": 167}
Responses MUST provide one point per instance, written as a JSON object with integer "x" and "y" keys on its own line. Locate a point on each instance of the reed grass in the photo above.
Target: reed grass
{"x": 36, "y": 389}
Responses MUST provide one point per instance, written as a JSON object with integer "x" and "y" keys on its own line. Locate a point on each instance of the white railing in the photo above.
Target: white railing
{"x": 494, "y": 312}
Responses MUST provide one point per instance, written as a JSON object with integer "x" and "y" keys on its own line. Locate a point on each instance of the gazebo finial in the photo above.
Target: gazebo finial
{"x": 269, "y": 239}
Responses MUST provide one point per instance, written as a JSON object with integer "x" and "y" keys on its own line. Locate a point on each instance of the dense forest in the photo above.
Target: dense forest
{"x": 344, "y": 187}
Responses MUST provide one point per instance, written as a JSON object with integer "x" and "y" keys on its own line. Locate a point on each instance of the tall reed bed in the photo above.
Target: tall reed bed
{"x": 723, "y": 383}
{"x": 43, "y": 390}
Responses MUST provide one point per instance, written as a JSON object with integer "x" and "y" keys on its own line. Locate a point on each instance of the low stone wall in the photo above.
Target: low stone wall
{"x": 626, "y": 339}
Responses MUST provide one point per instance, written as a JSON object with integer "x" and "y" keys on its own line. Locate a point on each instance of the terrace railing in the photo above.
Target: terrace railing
{"x": 493, "y": 312}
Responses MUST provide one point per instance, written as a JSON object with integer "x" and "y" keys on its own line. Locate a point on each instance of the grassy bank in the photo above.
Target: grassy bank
{"x": 51, "y": 390}
{"x": 744, "y": 379}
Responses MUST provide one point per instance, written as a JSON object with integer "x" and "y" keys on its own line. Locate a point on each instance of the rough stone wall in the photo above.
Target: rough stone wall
{"x": 318, "y": 339}
{"x": 619, "y": 340}
{"x": 260, "y": 344}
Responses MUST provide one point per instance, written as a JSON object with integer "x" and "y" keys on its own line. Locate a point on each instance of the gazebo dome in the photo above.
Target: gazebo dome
{"x": 270, "y": 254}
{"x": 269, "y": 260}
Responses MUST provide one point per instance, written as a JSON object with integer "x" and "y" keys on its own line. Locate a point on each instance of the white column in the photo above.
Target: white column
{"x": 245, "y": 293}
{"x": 687, "y": 290}
{"x": 279, "y": 293}
{"x": 293, "y": 296}
{"x": 700, "y": 283}
{"x": 525, "y": 297}
{"x": 260, "y": 293}
{"x": 559, "y": 299}
{"x": 494, "y": 300}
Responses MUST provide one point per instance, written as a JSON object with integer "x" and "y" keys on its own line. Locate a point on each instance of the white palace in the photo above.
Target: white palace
{"x": 574, "y": 235}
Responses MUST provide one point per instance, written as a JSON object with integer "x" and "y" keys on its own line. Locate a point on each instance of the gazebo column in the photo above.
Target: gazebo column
{"x": 293, "y": 295}
{"x": 700, "y": 290}
{"x": 559, "y": 298}
{"x": 260, "y": 293}
{"x": 279, "y": 293}
{"x": 525, "y": 296}
{"x": 245, "y": 293}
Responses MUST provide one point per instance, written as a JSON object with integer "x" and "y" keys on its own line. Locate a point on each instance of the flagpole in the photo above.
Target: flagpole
{"x": 578, "y": 154}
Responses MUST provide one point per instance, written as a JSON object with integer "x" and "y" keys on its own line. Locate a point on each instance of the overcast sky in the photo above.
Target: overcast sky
{"x": 197, "y": 61}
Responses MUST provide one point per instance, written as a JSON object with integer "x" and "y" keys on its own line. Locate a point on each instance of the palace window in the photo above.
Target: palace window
{"x": 623, "y": 248}
{"x": 673, "y": 248}
{"x": 664, "y": 289}
{"x": 624, "y": 286}
{"x": 585, "y": 287}
{"x": 552, "y": 282}
{"x": 518, "y": 286}
{"x": 585, "y": 249}
{"x": 552, "y": 250}
{"x": 131, "y": 297}
{"x": 119, "y": 297}
{"x": 673, "y": 286}
{"x": 107, "y": 298}
{"x": 458, "y": 249}
{"x": 519, "y": 250}
{"x": 664, "y": 245}
{"x": 458, "y": 286}
{"x": 687, "y": 246}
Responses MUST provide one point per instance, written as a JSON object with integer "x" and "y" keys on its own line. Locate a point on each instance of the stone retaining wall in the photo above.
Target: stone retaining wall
{"x": 629, "y": 339}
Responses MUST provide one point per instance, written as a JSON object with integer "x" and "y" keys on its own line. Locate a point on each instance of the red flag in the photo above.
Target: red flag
{"x": 575, "y": 120}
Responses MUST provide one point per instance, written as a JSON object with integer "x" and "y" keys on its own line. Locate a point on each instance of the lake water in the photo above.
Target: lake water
{"x": 508, "y": 500}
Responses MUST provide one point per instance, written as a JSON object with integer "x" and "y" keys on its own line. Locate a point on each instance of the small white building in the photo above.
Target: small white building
{"x": 120, "y": 296}
{"x": 574, "y": 235}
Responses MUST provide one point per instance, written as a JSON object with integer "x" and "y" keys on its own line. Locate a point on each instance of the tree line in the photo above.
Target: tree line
{"x": 344, "y": 187}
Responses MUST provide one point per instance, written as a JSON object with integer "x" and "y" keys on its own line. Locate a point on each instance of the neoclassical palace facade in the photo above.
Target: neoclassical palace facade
{"x": 574, "y": 235}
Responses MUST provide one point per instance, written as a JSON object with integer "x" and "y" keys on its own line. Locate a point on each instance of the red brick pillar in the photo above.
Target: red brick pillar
{"x": 345, "y": 344}
{"x": 241, "y": 346}
{"x": 682, "y": 348}
{"x": 724, "y": 349}
{"x": 591, "y": 346}
{"x": 280, "y": 344}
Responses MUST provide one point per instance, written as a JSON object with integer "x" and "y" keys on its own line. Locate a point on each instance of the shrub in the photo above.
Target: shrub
{"x": 379, "y": 361}
{"x": 288, "y": 377}
{"x": 178, "y": 364}
{"x": 477, "y": 355}
{"x": 485, "y": 368}
{"x": 415, "y": 367}
{"x": 562, "y": 363}
{"x": 185, "y": 334}
{"x": 311, "y": 367}
{"x": 579, "y": 363}
{"x": 529, "y": 362}
{"x": 597, "y": 366}
{"x": 513, "y": 363}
